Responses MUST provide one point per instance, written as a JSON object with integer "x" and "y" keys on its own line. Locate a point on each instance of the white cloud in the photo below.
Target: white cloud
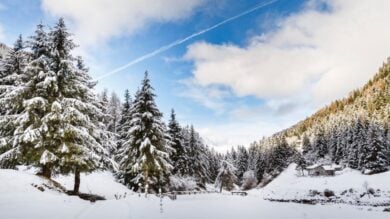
{"x": 211, "y": 96}
{"x": 324, "y": 52}
{"x": 242, "y": 132}
{"x": 309, "y": 58}
{"x": 98, "y": 20}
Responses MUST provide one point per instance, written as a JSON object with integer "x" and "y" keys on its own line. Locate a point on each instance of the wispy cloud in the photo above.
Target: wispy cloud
{"x": 183, "y": 40}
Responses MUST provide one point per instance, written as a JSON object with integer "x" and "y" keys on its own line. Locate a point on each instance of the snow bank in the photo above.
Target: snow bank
{"x": 348, "y": 184}
{"x": 100, "y": 183}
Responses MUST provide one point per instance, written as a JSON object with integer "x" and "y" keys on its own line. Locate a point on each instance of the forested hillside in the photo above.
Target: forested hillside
{"x": 353, "y": 131}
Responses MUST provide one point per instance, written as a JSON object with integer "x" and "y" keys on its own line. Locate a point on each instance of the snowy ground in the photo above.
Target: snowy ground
{"x": 348, "y": 185}
{"x": 19, "y": 199}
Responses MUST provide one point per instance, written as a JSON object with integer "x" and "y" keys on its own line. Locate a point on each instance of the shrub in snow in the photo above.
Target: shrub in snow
{"x": 328, "y": 193}
{"x": 301, "y": 164}
{"x": 343, "y": 192}
{"x": 313, "y": 193}
{"x": 249, "y": 180}
{"x": 177, "y": 183}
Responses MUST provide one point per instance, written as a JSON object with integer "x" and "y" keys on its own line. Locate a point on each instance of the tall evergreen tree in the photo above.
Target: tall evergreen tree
{"x": 104, "y": 105}
{"x": 242, "y": 162}
{"x": 178, "y": 157}
{"x": 55, "y": 109}
{"x": 12, "y": 77}
{"x": 124, "y": 121}
{"x": 74, "y": 133}
{"x": 279, "y": 155}
{"x": 214, "y": 159}
{"x": 114, "y": 110}
{"x": 306, "y": 146}
{"x": 357, "y": 138}
{"x": 375, "y": 159}
{"x": 320, "y": 144}
{"x": 145, "y": 155}
{"x": 39, "y": 42}
{"x": 197, "y": 158}
{"x": 107, "y": 122}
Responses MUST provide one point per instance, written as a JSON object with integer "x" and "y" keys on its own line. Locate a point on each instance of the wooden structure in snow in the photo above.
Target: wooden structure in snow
{"x": 323, "y": 170}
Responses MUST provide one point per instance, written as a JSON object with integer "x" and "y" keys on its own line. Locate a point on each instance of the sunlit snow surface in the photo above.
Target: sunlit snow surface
{"x": 19, "y": 199}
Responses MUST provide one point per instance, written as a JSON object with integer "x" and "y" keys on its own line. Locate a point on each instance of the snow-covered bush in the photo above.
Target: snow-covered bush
{"x": 313, "y": 193}
{"x": 178, "y": 183}
{"x": 328, "y": 193}
{"x": 249, "y": 180}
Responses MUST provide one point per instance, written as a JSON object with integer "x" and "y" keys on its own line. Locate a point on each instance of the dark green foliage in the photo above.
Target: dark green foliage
{"x": 179, "y": 158}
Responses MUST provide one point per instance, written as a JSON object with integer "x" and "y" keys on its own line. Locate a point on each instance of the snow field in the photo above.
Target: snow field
{"x": 20, "y": 200}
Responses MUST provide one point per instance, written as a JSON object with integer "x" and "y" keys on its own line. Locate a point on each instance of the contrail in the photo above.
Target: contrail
{"x": 180, "y": 41}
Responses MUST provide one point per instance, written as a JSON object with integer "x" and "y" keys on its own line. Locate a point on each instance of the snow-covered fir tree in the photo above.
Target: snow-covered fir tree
{"x": 306, "y": 146}
{"x": 12, "y": 77}
{"x": 196, "y": 156}
{"x": 241, "y": 162}
{"x": 107, "y": 123}
{"x": 375, "y": 151}
{"x": 320, "y": 146}
{"x": 214, "y": 159}
{"x": 104, "y": 104}
{"x": 280, "y": 155}
{"x": 359, "y": 135}
{"x": 114, "y": 110}
{"x": 145, "y": 156}
{"x": 252, "y": 157}
{"x": 179, "y": 155}
{"x": 124, "y": 121}
{"x": 56, "y": 118}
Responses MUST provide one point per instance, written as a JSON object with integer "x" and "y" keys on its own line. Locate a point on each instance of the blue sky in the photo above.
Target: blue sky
{"x": 245, "y": 79}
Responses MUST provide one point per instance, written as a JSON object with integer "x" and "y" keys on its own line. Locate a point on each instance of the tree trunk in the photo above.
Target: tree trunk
{"x": 76, "y": 181}
{"x": 46, "y": 171}
{"x": 146, "y": 183}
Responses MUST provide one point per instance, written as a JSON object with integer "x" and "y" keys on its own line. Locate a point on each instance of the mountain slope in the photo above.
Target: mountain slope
{"x": 373, "y": 100}
{"x": 353, "y": 131}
